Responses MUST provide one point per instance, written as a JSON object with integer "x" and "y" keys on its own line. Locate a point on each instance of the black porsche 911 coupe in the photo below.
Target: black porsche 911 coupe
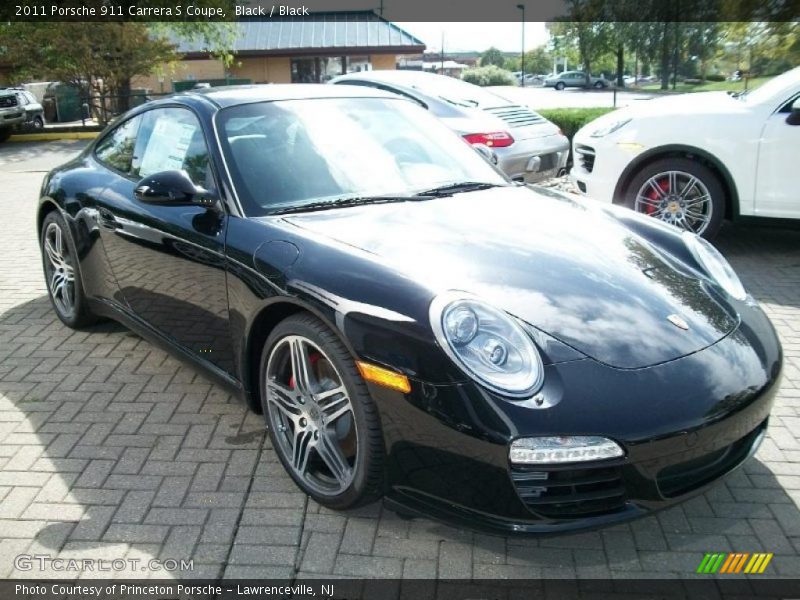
{"x": 411, "y": 323}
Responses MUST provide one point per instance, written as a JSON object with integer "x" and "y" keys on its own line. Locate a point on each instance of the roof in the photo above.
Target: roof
{"x": 323, "y": 32}
{"x": 244, "y": 94}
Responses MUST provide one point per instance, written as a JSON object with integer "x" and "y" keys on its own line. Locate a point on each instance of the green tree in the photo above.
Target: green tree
{"x": 493, "y": 56}
{"x": 101, "y": 60}
{"x": 538, "y": 60}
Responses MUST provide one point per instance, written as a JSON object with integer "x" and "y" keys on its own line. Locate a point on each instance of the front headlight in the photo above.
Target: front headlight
{"x": 488, "y": 344}
{"x": 609, "y": 128}
{"x": 715, "y": 265}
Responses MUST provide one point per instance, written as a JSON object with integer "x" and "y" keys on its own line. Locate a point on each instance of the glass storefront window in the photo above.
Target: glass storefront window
{"x": 320, "y": 69}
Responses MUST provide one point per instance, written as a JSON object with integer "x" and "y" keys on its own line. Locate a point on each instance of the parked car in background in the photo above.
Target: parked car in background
{"x": 574, "y": 79}
{"x": 527, "y": 147}
{"x": 695, "y": 159}
{"x": 19, "y": 108}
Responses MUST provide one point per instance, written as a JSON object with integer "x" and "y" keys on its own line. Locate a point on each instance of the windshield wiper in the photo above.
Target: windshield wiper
{"x": 345, "y": 202}
{"x": 459, "y": 187}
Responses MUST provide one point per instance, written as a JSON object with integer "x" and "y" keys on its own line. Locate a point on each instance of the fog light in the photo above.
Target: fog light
{"x": 563, "y": 449}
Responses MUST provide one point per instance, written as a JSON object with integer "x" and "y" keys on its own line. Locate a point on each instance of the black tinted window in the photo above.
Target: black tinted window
{"x": 116, "y": 148}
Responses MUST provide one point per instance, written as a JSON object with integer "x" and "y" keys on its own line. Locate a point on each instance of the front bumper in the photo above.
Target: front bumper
{"x": 683, "y": 424}
{"x": 598, "y": 165}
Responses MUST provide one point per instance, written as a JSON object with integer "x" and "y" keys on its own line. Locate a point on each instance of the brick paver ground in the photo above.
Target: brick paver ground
{"x": 110, "y": 448}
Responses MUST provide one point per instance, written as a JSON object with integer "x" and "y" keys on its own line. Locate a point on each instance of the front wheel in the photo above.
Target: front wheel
{"x": 322, "y": 421}
{"x": 38, "y": 123}
{"x": 599, "y": 85}
{"x": 560, "y": 85}
{"x": 5, "y": 133}
{"x": 681, "y": 192}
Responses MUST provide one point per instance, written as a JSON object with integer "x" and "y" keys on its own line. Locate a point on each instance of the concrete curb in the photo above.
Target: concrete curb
{"x": 43, "y": 137}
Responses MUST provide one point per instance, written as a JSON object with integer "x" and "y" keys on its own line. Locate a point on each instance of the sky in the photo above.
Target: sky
{"x": 459, "y": 37}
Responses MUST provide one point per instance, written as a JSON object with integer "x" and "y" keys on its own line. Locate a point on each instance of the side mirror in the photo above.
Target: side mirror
{"x": 794, "y": 116}
{"x": 173, "y": 188}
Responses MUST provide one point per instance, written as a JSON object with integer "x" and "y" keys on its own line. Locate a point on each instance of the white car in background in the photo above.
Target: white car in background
{"x": 695, "y": 159}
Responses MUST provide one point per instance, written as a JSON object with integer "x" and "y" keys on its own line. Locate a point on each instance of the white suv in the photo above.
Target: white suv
{"x": 694, "y": 159}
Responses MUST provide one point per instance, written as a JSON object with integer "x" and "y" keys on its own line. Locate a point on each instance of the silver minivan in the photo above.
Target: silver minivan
{"x": 527, "y": 146}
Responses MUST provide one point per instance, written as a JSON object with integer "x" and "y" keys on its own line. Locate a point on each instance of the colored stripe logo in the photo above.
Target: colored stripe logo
{"x": 734, "y": 562}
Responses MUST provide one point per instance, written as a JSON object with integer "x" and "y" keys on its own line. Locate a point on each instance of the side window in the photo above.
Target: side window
{"x": 21, "y": 99}
{"x": 116, "y": 148}
{"x": 31, "y": 98}
{"x": 171, "y": 139}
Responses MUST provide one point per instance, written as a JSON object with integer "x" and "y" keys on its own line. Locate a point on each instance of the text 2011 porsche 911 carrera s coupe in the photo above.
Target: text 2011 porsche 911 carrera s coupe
{"x": 411, "y": 323}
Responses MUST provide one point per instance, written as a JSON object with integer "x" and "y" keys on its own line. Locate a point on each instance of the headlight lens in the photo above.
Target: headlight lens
{"x": 715, "y": 265}
{"x": 488, "y": 344}
{"x": 609, "y": 128}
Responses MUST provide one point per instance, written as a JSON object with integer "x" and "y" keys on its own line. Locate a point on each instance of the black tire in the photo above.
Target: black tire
{"x": 37, "y": 123}
{"x": 367, "y": 469}
{"x": 703, "y": 174}
{"x": 80, "y": 315}
{"x": 560, "y": 85}
{"x": 599, "y": 85}
{"x": 5, "y": 133}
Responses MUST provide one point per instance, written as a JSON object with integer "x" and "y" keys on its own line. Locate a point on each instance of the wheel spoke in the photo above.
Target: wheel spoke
{"x": 672, "y": 178}
{"x": 334, "y": 403}
{"x": 648, "y": 201}
{"x": 688, "y": 187}
{"x": 656, "y": 187}
{"x": 283, "y": 398}
{"x": 301, "y": 447}
{"x": 700, "y": 200}
{"x": 55, "y": 259}
{"x": 301, "y": 367}
{"x": 332, "y": 456}
{"x": 59, "y": 241}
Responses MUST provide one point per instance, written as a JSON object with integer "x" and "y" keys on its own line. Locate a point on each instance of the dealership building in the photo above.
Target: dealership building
{"x": 293, "y": 50}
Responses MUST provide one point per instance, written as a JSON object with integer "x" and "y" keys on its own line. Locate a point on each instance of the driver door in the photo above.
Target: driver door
{"x": 169, "y": 261}
{"x": 777, "y": 194}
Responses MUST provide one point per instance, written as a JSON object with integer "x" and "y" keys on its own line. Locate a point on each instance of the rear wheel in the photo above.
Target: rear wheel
{"x": 322, "y": 421}
{"x": 680, "y": 192}
{"x": 62, "y": 273}
{"x": 598, "y": 85}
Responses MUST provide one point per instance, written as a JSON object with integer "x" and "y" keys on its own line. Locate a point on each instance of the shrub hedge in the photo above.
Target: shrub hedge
{"x": 488, "y": 75}
{"x": 570, "y": 120}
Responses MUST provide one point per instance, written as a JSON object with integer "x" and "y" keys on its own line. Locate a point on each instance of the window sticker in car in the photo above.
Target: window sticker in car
{"x": 167, "y": 147}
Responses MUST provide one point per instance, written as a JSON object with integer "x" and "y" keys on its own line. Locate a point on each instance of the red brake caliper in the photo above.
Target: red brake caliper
{"x": 313, "y": 358}
{"x": 653, "y": 195}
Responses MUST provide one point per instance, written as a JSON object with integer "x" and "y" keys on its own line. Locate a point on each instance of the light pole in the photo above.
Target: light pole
{"x": 522, "y": 53}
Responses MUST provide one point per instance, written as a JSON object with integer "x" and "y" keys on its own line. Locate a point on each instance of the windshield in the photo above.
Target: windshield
{"x": 773, "y": 87}
{"x": 291, "y": 153}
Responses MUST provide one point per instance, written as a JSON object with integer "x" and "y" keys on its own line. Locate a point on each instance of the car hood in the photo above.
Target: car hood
{"x": 561, "y": 266}
{"x": 699, "y": 103}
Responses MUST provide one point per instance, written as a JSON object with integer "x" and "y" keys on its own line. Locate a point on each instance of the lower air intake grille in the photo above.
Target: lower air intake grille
{"x": 570, "y": 492}
{"x": 586, "y": 157}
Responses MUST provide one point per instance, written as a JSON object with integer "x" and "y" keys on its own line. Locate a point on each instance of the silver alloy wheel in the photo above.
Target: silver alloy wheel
{"x": 677, "y": 198}
{"x": 59, "y": 271}
{"x": 312, "y": 414}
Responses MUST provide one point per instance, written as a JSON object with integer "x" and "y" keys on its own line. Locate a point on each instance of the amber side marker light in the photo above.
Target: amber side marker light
{"x": 384, "y": 377}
